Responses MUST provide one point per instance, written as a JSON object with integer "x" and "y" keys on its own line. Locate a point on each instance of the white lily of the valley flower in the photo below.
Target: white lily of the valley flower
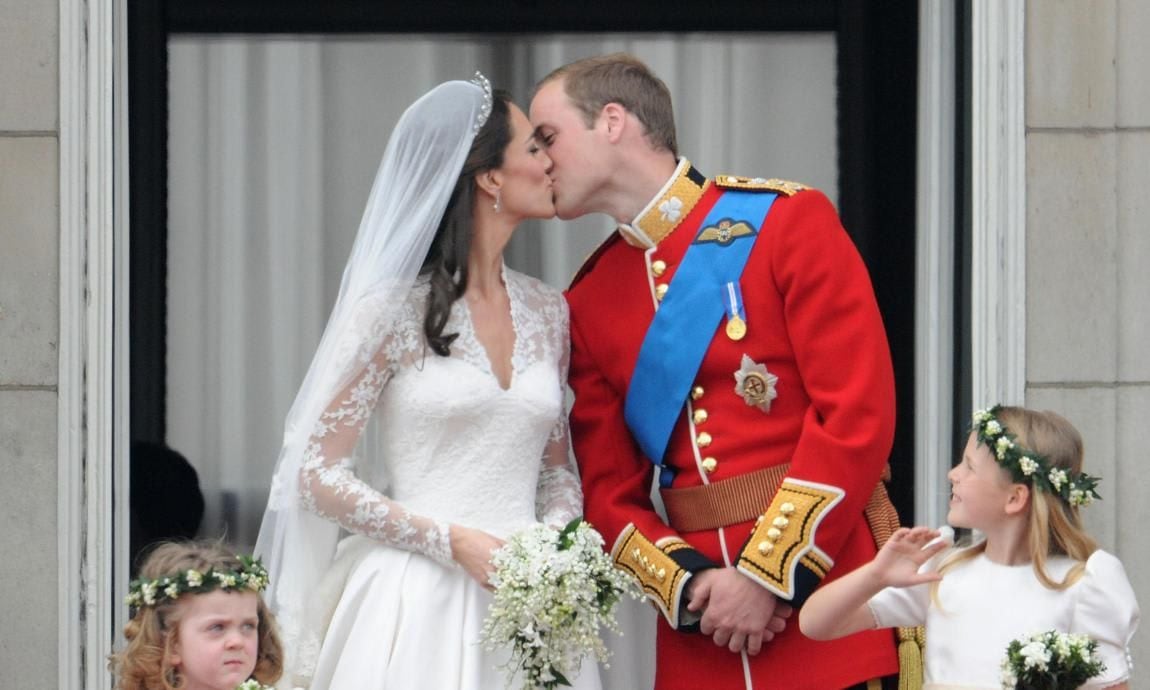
{"x": 1036, "y": 655}
{"x": 1051, "y": 659}
{"x": 551, "y": 600}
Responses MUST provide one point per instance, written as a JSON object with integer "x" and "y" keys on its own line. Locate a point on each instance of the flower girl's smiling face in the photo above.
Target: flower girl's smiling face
{"x": 979, "y": 488}
{"x": 218, "y": 639}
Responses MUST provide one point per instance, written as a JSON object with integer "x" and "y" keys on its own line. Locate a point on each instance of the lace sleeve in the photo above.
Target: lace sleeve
{"x": 329, "y": 487}
{"x": 559, "y": 498}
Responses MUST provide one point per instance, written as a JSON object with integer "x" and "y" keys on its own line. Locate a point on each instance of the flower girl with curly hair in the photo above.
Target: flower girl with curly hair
{"x": 198, "y": 623}
{"x": 1020, "y": 484}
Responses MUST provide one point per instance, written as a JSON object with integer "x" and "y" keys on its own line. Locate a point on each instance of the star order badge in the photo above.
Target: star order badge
{"x": 755, "y": 384}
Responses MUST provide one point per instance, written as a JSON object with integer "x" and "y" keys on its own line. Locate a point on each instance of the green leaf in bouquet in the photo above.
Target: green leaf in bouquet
{"x": 567, "y": 534}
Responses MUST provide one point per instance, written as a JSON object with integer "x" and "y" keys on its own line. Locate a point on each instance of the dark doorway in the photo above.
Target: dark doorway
{"x": 877, "y": 47}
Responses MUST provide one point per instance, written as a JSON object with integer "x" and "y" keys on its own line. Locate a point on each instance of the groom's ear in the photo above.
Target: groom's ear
{"x": 614, "y": 118}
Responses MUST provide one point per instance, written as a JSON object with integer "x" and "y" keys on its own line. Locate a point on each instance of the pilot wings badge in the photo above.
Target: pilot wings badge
{"x": 725, "y": 231}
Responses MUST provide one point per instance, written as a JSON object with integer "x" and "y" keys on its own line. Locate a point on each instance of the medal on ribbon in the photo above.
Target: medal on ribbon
{"x": 736, "y": 318}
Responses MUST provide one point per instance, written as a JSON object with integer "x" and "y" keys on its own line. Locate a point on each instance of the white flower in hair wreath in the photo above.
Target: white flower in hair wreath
{"x": 1028, "y": 467}
{"x": 250, "y": 576}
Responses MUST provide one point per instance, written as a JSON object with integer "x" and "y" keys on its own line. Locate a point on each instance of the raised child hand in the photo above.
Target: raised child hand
{"x": 904, "y": 553}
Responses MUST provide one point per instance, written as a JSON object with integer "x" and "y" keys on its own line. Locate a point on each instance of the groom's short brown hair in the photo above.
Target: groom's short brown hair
{"x": 593, "y": 82}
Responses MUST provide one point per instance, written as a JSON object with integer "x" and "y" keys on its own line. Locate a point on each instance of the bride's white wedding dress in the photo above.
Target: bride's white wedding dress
{"x": 453, "y": 446}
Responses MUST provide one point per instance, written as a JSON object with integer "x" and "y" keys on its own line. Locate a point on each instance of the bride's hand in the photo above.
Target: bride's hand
{"x": 472, "y": 549}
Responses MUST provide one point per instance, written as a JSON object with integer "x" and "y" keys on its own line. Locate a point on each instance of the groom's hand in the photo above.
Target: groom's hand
{"x": 737, "y": 613}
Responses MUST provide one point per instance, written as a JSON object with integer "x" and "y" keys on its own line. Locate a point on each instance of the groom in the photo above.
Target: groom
{"x": 726, "y": 338}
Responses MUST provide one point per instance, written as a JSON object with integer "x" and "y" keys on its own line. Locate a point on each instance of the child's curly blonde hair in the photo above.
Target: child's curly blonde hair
{"x": 144, "y": 663}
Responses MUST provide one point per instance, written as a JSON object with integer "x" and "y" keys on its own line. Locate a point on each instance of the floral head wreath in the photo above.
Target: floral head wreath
{"x": 1027, "y": 466}
{"x": 251, "y": 576}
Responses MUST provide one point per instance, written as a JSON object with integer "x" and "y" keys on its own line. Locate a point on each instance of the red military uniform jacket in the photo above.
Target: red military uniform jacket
{"x": 812, "y": 322}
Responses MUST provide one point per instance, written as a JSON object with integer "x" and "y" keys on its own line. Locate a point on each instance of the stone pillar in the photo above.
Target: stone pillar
{"x": 1088, "y": 245}
{"x": 29, "y": 327}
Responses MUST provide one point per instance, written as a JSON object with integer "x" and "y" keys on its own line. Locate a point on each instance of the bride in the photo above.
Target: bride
{"x": 460, "y": 364}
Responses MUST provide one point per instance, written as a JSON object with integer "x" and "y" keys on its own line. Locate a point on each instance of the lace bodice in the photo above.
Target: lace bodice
{"x": 453, "y": 446}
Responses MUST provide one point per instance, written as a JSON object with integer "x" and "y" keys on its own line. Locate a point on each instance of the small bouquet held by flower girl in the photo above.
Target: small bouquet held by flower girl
{"x": 554, "y": 591}
{"x": 1050, "y": 661}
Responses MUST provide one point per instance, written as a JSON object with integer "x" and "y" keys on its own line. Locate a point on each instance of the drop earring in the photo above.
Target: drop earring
{"x": 498, "y": 206}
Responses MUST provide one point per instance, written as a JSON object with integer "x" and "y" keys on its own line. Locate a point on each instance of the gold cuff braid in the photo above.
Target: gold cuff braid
{"x": 661, "y": 578}
{"x": 785, "y": 535}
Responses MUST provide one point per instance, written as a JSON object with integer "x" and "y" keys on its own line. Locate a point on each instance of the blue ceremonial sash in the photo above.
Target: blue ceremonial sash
{"x": 686, "y": 319}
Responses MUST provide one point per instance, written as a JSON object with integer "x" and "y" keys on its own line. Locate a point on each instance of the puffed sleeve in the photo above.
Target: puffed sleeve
{"x": 900, "y": 607}
{"x": 1107, "y": 611}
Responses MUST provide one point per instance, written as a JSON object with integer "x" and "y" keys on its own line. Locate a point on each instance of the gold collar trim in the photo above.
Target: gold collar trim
{"x": 673, "y": 202}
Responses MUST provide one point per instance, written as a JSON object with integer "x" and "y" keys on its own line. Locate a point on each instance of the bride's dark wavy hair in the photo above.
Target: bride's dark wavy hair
{"x": 446, "y": 262}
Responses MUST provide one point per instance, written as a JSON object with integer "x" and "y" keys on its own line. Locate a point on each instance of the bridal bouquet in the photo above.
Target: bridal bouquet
{"x": 1050, "y": 661}
{"x": 554, "y": 591}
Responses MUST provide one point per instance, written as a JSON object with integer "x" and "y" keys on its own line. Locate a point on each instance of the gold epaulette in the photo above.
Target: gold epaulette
{"x": 589, "y": 262}
{"x": 784, "y": 536}
{"x": 760, "y": 184}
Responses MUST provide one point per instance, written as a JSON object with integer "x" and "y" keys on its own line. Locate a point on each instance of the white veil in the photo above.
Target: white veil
{"x": 412, "y": 187}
